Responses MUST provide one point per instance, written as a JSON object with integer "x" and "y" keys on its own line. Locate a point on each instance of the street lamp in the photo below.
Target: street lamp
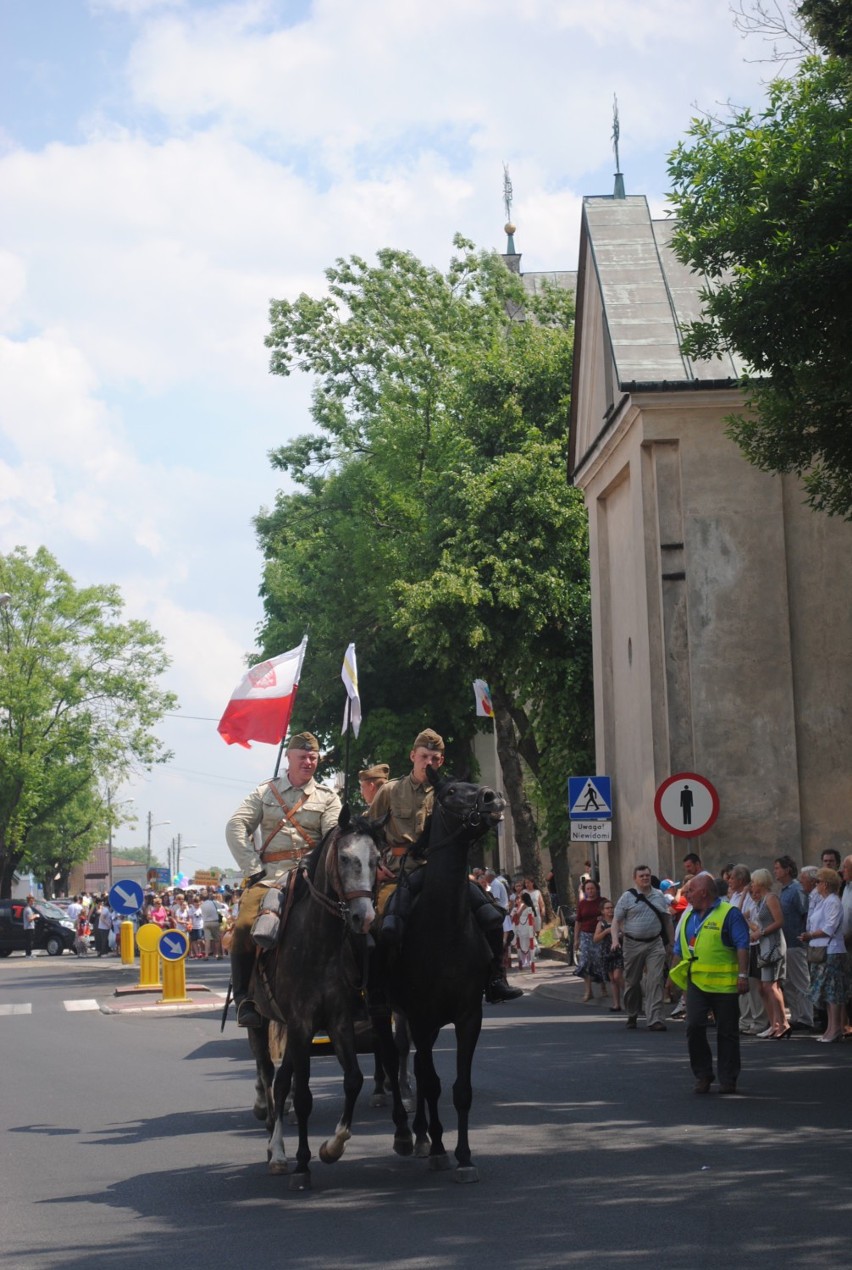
{"x": 123, "y": 802}
{"x": 152, "y": 824}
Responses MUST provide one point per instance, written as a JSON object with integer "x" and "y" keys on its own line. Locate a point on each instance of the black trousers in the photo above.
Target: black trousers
{"x": 726, "y": 1009}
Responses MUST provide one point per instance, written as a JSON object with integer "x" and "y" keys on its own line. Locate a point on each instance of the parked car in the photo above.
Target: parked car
{"x": 53, "y": 931}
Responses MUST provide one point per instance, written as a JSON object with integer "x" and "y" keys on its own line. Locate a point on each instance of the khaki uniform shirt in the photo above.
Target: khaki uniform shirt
{"x": 278, "y": 836}
{"x": 409, "y": 805}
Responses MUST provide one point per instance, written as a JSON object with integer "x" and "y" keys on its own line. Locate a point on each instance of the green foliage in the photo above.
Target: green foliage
{"x": 432, "y": 521}
{"x": 764, "y": 215}
{"x": 830, "y": 23}
{"x": 79, "y": 705}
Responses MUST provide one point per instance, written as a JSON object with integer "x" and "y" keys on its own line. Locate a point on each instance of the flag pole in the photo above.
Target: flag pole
{"x": 348, "y": 733}
{"x": 302, "y": 648}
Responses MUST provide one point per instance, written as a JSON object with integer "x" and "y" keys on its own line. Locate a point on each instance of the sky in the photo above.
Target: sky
{"x": 169, "y": 166}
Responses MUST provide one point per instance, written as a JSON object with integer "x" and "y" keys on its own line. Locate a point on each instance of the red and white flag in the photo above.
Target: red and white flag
{"x": 261, "y": 705}
{"x": 484, "y": 707}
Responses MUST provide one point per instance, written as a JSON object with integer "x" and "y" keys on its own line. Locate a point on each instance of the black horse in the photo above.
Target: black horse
{"x": 441, "y": 969}
{"x": 314, "y": 982}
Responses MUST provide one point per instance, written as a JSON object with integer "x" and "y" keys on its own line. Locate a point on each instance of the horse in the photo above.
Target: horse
{"x": 438, "y": 975}
{"x": 314, "y": 982}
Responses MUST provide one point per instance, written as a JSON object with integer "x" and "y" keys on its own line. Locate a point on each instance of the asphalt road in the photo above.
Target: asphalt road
{"x": 128, "y": 1142}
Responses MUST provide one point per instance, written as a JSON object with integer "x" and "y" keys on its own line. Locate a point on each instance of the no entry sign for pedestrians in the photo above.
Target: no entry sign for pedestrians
{"x": 686, "y": 804}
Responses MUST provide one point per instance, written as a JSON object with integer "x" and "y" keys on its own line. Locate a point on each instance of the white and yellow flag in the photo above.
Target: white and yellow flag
{"x": 349, "y": 675}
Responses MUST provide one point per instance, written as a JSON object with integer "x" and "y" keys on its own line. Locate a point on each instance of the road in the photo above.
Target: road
{"x": 129, "y": 1142}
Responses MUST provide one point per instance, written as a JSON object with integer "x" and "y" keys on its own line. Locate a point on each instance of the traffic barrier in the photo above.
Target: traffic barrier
{"x": 127, "y": 943}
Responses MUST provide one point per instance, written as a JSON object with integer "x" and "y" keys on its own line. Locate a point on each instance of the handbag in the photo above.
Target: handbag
{"x": 769, "y": 950}
{"x": 816, "y": 956}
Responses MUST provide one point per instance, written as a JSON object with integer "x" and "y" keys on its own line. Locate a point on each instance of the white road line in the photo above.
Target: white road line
{"x": 84, "y": 1004}
{"x": 26, "y": 1008}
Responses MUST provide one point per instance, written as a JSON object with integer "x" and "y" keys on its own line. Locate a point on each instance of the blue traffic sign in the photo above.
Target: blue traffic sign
{"x": 125, "y": 898}
{"x": 590, "y": 797}
{"x": 174, "y": 945}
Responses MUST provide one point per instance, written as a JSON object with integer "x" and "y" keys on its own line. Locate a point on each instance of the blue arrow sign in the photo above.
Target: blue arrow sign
{"x": 589, "y": 798}
{"x": 125, "y": 898}
{"x": 174, "y": 945}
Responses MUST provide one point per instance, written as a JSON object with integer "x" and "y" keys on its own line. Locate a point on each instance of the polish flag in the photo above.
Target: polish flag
{"x": 260, "y": 707}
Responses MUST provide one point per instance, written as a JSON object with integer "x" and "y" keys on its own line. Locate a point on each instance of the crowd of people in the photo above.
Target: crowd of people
{"x": 206, "y": 915}
{"x": 782, "y": 951}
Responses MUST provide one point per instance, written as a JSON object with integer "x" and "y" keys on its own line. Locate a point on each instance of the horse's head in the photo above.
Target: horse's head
{"x": 353, "y": 869}
{"x": 462, "y": 804}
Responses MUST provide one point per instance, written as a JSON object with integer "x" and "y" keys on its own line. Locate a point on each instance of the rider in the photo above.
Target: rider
{"x": 407, "y": 802}
{"x": 293, "y": 814}
{"x": 371, "y": 780}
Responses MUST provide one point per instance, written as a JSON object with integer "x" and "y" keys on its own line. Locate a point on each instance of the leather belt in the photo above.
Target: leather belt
{"x": 399, "y": 851}
{"x": 296, "y": 853}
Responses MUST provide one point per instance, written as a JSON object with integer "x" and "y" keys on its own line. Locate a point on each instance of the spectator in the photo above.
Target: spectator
{"x": 525, "y": 920}
{"x": 846, "y": 901}
{"x": 30, "y": 917}
{"x": 827, "y": 952}
{"x": 158, "y": 913}
{"x": 103, "y": 926}
{"x": 794, "y": 906}
{"x": 753, "y": 1016}
{"x": 586, "y": 954}
{"x": 612, "y": 959}
{"x": 642, "y": 916}
{"x": 196, "y": 928}
{"x": 212, "y": 927}
{"x": 537, "y": 899}
{"x": 772, "y": 948}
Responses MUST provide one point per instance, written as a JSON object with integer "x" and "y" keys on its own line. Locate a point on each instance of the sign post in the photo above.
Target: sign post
{"x": 590, "y": 811}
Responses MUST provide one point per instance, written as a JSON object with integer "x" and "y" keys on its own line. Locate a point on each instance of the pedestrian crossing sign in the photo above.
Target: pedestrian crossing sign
{"x": 590, "y": 797}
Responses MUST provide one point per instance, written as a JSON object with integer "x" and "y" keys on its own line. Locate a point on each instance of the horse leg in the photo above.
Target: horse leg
{"x": 276, "y": 1153}
{"x": 467, "y": 1034}
{"x": 387, "y": 1054}
{"x": 299, "y": 1055}
{"x": 258, "y": 1038}
{"x": 402, "y": 1040}
{"x": 377, "y": 1098}
{"x": 428, "y": 1094}
{"x": 344, "y": 1047}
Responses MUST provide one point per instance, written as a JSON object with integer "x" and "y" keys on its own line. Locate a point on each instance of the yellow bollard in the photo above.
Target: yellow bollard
{"x": 174, "y": 945}
{"x": 148, "y": 939}
{"x": 127, "y": 943}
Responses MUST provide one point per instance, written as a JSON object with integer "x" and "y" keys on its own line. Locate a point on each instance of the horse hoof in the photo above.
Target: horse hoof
{"x": 403, "y": 1144}
{"x": 259, "y": 1111}
{"x": 326, "y": 1156}
{"x": 440, "y": 1163}
{"x": 276, "y": 1167}
{"x": 466, "y": 1174}
{"x": 422, "y": 1149}
{"x": 300, "y": 1182}
{"x": 378, "y": 1100}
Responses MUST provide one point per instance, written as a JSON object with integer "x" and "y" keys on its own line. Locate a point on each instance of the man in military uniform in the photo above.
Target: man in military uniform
{"x": 371, "y": 780}
{"x": 407, "y": 802}
{"x": 293, "y": 814}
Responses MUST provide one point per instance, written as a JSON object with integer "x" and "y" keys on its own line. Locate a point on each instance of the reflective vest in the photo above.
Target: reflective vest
{"x": 709, "y": 963}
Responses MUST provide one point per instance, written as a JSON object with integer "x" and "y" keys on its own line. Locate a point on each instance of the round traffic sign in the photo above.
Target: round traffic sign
{"x": 174, "y": 945}
{"x": 686, "y": 804}
{"x": 125, "y": 898}
{"x": 148, "y": 937}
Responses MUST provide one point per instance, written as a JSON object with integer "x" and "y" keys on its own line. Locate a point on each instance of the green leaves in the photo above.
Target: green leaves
{"x": 433, "y": 523}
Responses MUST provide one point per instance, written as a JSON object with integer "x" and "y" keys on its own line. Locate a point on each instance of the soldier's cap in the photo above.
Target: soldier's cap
{"x": 303, "y": 741}
{"x": 429, "y": 740}
{"x": 378, "y": 772}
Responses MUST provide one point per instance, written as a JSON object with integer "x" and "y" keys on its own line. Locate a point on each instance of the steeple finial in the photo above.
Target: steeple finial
{"x": 507, "y": 204}
{"x": 618, "y": 190}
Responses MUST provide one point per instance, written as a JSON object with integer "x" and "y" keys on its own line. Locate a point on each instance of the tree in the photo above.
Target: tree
{"x": 434, "y": 518}
{"x": 763, "y": 214}
{"x": 79, "y": 704}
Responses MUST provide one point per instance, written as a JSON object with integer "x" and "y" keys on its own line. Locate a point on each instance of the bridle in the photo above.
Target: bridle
{"x": 339, "y": 905}
{"x": 469, "y": 821}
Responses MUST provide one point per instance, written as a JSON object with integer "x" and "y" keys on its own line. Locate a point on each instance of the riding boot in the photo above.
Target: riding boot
{"x": 498, "y": 988}
{"x": 242, "y": 964}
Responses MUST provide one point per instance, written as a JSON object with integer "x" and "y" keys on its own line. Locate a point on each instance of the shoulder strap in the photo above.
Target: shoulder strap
{"x": 644, "y": 900}
{"x": 289, "y": 813}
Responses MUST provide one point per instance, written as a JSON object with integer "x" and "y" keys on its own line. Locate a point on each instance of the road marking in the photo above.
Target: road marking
{"x": 83, "y": 1004}
{"x": 26, "y": 1008}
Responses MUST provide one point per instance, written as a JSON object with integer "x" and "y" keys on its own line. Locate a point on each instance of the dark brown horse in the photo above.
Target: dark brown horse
{"x": 439, "y": 974}
{"x": 316, "y": 981}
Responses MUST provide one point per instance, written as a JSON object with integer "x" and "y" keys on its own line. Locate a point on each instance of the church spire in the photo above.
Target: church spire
{"x": 618, "y": 189}
{"x": 510, "y": 255}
